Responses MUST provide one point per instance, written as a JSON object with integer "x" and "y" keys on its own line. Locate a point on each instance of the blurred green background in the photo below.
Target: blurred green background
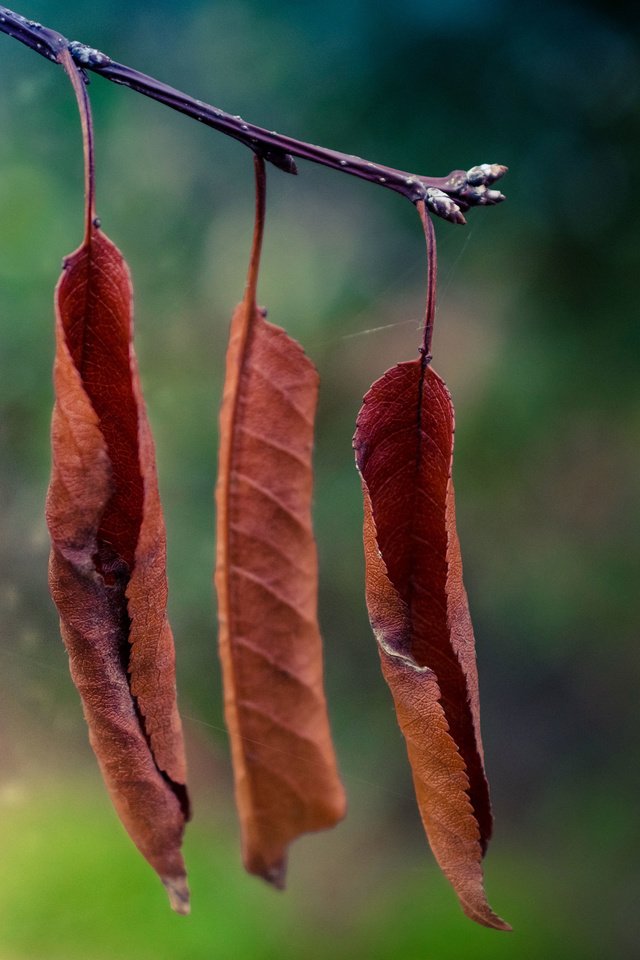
{"x": 538, "y": 338}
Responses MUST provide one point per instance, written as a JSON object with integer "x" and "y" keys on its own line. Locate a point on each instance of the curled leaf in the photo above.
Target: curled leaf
{"x": 419, "y": 613}
{"x": 285, "y": 773}
{"x": 107, "y": 567}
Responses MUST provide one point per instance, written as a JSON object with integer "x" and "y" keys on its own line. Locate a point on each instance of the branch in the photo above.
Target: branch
{"x": 447, "y": 197}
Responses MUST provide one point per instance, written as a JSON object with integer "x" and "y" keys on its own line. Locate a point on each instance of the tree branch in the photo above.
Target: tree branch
{"x": 447, "y": 197}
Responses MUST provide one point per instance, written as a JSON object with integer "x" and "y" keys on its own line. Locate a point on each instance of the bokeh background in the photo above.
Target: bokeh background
{"x": 538, "y": 338}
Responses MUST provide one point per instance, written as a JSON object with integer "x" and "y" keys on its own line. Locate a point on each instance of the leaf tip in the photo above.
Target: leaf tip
{"x": 483, "y": 914}
{"x": 494, "y": 922}
{"x": 178, "y": 893}
{"x": 276, "y": 874}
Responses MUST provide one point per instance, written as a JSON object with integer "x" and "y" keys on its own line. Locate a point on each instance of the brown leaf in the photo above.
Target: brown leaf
{"x": 285, "y": 772}
{"x": 418, "y": 610}
{"x": 107, "y": 568}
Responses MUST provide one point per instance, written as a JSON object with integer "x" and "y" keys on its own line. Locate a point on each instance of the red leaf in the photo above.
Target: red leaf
{"x": 285, "y": 772}
{"x": 107, "y": 569}
{"x": 418, "y": 610}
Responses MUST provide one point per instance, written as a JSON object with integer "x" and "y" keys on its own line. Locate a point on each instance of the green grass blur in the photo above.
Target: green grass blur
{"x": 90, "y": 898}
{"x": 538, "y": 337}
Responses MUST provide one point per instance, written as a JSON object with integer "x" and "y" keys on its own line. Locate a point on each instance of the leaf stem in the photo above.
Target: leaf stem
{"x": 432, "y": 274}
{"x": 447, "y": 197}
{"x": 258, "y": 232}
{"x": 84, "y": 106}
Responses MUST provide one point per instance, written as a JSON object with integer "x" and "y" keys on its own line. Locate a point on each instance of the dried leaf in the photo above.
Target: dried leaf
{"x": 285, "y": 772}
{"x": 418, "y": 610}
{"x": 107, "y": 565}
{"x": 107, "y": 568}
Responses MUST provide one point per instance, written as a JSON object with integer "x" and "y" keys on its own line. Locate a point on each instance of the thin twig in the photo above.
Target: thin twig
{"x": 447, "y": 197}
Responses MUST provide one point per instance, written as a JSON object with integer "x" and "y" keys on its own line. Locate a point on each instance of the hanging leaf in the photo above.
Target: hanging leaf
{"x": 285, "y": 773}
{"x": 418, "y": 607}
{"x": 107, "y": 567}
